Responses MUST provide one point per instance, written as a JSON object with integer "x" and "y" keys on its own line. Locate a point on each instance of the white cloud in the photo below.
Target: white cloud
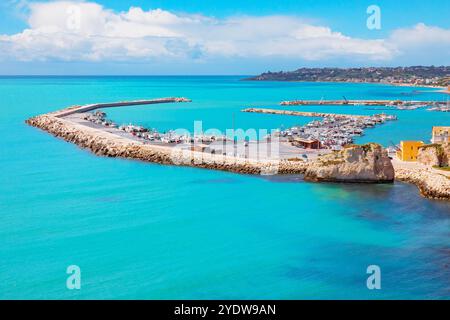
{"x": 86, "y": 31}
{"x": 421, "y": 35}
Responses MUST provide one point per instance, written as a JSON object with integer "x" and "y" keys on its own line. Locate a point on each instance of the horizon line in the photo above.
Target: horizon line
{"x": 126, "y": 75}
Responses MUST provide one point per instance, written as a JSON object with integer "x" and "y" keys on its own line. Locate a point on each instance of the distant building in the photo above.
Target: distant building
{"x": 440, "y": 134}
{"x": 307, "y": 143}
{"x": 408, "y": 150}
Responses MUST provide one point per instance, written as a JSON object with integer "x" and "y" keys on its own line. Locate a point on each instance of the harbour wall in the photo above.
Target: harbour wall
{"x": 107, "y": 144}
{"x": 303, "y": 113}
{"x": 358, "y": 102}
{"x": 91, "y": 107}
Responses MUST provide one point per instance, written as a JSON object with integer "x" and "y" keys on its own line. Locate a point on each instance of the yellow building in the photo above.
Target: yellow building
{"x": 440, "y": 134}
{"x": 409, "y": 150}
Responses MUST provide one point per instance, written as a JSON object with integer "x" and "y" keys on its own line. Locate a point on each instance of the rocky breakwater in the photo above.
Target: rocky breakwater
{"x": 107, "y": 144}
{"x": 431, "y": 184}
{"x": 367, "y": 163}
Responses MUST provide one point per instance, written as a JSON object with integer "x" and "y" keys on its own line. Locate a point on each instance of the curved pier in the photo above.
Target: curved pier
{"x": 109, "y": 142}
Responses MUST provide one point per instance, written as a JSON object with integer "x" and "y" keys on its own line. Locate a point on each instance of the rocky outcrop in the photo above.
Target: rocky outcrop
{"x": 366, "y": 163}
{"x": 107, "y": 144}
{"x": 434, "y": 155}
{"x": 431, "y": 184}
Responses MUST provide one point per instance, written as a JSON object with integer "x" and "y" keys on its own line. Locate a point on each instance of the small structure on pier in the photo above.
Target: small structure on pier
{"x": 307, "y": 143}
{"x": 409, "y": 150}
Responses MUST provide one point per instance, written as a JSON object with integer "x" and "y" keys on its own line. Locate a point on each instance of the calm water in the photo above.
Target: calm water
{"x": 140, "y": 230}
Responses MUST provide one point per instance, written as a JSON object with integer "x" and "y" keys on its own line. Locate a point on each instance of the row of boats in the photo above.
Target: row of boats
{"x": 334, "y": 132}
{"x": 171, "y": 136}
{"x": 397, "y": 104}
{"x": 99, "y": 117}
{"x": 441, "y": 108}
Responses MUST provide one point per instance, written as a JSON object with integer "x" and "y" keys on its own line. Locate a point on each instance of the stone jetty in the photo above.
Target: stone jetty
{"x": 358, "y": 102}
{"x": 304, "y": 113}
{"x": 107, "y": 144}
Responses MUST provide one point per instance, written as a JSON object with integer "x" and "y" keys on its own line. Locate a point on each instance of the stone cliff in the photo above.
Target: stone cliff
{"x": 434, "y": 155}
{"x": 366, "y": 163}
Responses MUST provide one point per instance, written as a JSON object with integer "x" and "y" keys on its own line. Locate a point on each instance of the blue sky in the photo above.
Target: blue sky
{"x": 218, "y": 37}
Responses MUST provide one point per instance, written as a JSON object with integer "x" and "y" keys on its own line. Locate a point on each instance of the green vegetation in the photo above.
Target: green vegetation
{"x": 431, "y": 145}
{"x": 442, "y": 168}
{"x": 418, "y": 75}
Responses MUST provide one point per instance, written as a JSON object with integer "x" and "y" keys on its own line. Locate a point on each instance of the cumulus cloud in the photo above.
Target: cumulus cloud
{"x": 421, "y": 35}
{"x": 87, "y": 31}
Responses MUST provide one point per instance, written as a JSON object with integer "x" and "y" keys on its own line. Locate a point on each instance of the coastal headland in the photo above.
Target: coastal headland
{"x": 423, "y": 76}
{"x": 367, "y": 163}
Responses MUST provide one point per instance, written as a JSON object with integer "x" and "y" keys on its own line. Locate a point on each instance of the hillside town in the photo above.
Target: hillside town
{"x": 415, "y": 75}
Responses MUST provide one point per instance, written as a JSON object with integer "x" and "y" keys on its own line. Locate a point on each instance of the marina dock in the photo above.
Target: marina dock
{"x": 91, "y": 107}
{"x": 304, "y": 113}
{"x": 361, "y": 102}
{"x": 333, "y": 132}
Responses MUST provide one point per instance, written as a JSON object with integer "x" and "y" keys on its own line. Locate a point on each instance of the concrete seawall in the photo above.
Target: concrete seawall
{"x": 357, "y": 102}
{"x": 110, "y": 145}
{"x": 90, "y": 107}
{"x": 302, "y": 113}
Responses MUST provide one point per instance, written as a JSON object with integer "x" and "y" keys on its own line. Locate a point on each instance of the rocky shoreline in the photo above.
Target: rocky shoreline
{"x": 431, "y": 184}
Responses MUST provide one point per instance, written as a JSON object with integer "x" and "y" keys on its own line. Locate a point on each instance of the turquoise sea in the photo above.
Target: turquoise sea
{"x": 146, "y": 231}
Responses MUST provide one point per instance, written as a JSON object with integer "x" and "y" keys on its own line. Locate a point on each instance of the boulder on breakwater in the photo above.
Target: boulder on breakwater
{"x": 367, "y": 163}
